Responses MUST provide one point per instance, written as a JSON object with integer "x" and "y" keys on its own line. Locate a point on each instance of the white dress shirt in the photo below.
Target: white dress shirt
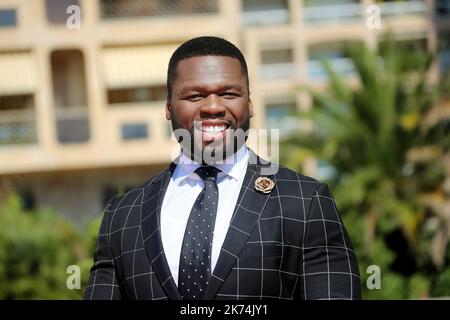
{"x": 182, "y": 191}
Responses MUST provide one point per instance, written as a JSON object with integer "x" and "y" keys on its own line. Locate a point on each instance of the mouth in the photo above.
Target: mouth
{"x": 212, "y": 130}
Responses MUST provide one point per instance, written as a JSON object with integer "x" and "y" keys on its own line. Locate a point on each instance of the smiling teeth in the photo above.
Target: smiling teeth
{"x": 214, "y": 128}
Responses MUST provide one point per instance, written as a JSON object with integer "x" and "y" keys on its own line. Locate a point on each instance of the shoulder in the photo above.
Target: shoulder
{"x": 285, "y": 178}
{"x": 130, "y": 197}
{"x": 289, "y": 180}
{"x": 284, "y": 173}
{"x": 125, "y": 204}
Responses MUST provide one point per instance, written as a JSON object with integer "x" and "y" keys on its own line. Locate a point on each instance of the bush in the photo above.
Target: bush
{"x": 35, "y": 250}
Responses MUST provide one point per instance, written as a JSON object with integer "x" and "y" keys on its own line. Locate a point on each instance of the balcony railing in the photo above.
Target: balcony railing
{"x": 402, "y": 8}
{"x": 277, "y": 70}
{"x": 72, "y": 124}
{"x": 17, "y": 127}
{"x": 343, "y": 66}
{"x": 144, "y": 8}
{"x": 262, "y": 17}
{"x": 337, "y": 13}
{"x": 287, "y": 124}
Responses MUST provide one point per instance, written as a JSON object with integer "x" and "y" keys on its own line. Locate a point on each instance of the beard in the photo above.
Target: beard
{"x": 193, "y": 146}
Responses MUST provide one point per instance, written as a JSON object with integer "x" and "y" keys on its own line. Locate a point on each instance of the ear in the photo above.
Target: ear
{"x": 250, "y": 107}
{"x": 168, "y": 109}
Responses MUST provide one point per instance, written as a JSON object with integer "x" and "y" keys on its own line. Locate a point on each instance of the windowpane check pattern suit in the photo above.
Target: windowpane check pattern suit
{"x": 288, "y": 244}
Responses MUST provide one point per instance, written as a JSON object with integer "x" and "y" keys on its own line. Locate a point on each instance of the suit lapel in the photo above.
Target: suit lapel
{"x": 249, "y": 207}
{"x": 151, "y": 231}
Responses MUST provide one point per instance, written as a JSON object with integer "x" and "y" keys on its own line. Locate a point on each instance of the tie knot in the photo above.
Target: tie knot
{"x": 207, "y": 172}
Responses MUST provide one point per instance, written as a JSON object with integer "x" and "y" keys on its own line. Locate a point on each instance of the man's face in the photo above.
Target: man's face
{"x": 210, "y": 99}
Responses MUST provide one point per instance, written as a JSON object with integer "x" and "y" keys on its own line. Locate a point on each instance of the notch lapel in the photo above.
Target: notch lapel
{"x": 151, "y": 231}
{"x": 249, "y": 207}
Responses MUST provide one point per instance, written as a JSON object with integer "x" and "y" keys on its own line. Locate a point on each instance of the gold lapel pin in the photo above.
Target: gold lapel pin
{"x": 264, "y": 185}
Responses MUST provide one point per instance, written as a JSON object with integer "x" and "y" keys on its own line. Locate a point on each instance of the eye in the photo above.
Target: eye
{"x": 229, "y": 95}
{"x": 194, "y": 97}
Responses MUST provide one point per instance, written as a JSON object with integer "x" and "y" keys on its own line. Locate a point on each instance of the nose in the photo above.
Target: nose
{"x": 212, "y": 106}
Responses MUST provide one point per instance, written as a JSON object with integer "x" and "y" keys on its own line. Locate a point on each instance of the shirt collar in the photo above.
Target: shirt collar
{"x": 232, "y": 166}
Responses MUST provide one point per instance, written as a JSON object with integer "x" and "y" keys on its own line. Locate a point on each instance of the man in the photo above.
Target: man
{"x": 211, "y": 228}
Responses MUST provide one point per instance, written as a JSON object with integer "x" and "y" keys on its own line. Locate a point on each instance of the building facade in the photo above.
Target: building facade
{"x": 82, "y": 82}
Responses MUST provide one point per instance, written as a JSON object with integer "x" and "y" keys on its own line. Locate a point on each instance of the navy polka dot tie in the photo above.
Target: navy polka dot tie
{"x": 195, "y": 259}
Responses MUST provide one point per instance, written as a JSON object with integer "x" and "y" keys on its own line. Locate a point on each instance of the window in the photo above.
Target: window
{"x": 259, "y": 12}
{"x": 134, "y": 131}
{"x": 17, "y": 123}
{"x": 444, "y": 53}
{"x": 16, "y": 102}
{"x": 70, "y": 96}
{"x": 335, "y": 54}
{"x": 73, "y": 128}
{"x": 142, "y": 8}
{"x": 311, "y": 3}
{"x": 393, "y": 8}
{"x": 57, "y": 10}
{"x": 442, "y": 8}
{"x": 336, "y": 11}
{"x": 277, "y": 56}
{"x": 279, "y": 115}
{"x": 277, "y": 63}
{"x": 137, "y": 94}
{"x": 8, "y": 18}
{"x": 257, "y": 5}
{"x": 17, "y": 116}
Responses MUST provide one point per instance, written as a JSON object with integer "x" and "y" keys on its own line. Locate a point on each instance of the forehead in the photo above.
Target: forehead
{"x": 209, "y": 68}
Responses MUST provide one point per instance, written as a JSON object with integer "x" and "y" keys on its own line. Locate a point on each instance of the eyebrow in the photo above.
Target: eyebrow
{"x": 203, "y": 88}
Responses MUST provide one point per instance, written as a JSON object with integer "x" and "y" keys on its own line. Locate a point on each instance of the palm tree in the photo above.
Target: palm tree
{"x": 368, "y": 134}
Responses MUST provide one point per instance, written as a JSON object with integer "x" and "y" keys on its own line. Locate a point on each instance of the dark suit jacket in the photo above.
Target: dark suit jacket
{"x": 288, "y": 244}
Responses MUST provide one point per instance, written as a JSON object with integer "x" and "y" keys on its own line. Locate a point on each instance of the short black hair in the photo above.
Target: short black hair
{"x": 204, "y": 46}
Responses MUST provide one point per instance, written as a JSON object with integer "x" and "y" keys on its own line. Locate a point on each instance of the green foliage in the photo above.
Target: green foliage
{"x": 35, "y": 250}
{"x": 442, "y": 284}
{"x": 365, "y": 133}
